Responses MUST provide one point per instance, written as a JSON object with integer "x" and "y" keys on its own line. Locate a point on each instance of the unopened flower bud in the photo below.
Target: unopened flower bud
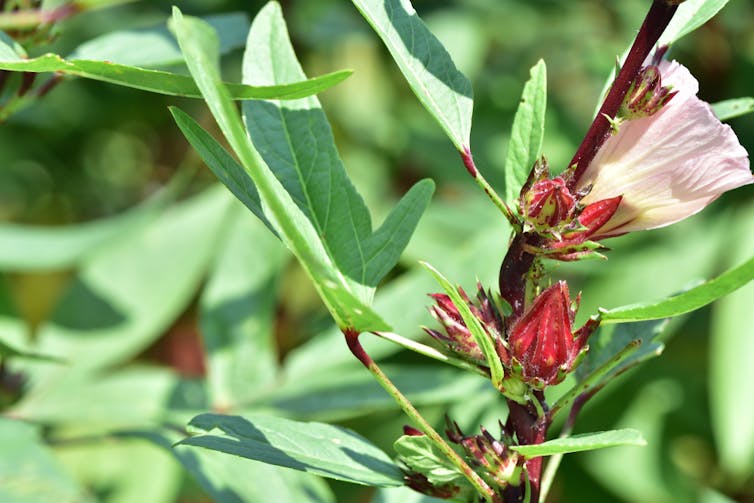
{"x": 548, "y": 203}
{"x": 646, "y": 96}
{"x": 457, "y": 336}
{"x": 542, "y": 342}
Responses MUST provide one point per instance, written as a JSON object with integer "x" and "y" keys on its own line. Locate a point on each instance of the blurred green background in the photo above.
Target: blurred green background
{"x": 90, "y": 150}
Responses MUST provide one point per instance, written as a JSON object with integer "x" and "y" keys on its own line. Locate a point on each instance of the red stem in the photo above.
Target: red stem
{"x": 657, "y": 20}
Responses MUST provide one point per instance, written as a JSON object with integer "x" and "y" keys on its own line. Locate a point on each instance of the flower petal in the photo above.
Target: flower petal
{"x": 668, "y": 166}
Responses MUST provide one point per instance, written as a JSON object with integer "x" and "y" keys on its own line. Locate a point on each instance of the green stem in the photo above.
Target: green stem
{"x": 595, "y": 377}
{"x": 468, "y": 161}
{"x": 352, "y": 339}
{"x": 431, "y": 352}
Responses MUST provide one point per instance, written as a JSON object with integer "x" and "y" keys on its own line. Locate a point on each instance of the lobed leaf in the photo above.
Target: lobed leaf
{"x": 685, "y": 302}
{"x": 322, "y": 449}
{"x": 527, "y": 133}
{"x": 579, "y": 443}
{"x": 428, "y": 68}
{"x": 295, "y": 140}
{"x": 346, "y": 300}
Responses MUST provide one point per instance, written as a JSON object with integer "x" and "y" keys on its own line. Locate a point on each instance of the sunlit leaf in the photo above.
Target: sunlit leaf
{"x": 728, "y": 109}
{"x": 443, "y": 90}
{"x": 325, "y": 450}
{"x": 584, "y": 442}
{"x": 691, "y": 15}
{"x": 528, "y": 131}
{"x": 685, "y": 302}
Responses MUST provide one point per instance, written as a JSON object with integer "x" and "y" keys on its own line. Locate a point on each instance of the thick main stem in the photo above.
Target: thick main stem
{"x": 654, "y": 24}
{"x": 352, "y": 340}
{"x": 530, "y": 429}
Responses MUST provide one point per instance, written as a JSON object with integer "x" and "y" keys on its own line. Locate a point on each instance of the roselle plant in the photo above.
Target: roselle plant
{"x": 655, "y": 154}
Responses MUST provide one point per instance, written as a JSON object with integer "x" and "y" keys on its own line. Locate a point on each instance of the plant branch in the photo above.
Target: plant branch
{"x": 468, "y": 162}
{"x": 352, "y": 340}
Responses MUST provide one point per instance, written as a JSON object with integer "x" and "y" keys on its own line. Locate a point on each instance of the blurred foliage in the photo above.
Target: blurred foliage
{"x": 89, "y": 150}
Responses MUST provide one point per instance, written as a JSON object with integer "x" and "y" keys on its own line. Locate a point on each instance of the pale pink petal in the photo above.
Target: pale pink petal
{"x": 668, "y": 166}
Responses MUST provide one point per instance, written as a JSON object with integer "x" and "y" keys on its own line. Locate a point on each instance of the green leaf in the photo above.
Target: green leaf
{"x": 421, "y": 455}
{"x": 403, "y": 495}
{"x": 155, "y": 46}
{"x": 128, "y": 292}
{"x": 579, "y": 443}
{"x": 222, "y": 164}
{"x": 29, "y": 471}
{"x": 230, "y": 479}
{"x": 685, "y": 302}
{"x": 325, "y": 450}
{"x": 158, "y": 81}
{"x": 295, "y": 140}
{"x": 483, "y": 340}
{"x": 728, "y": 109}
{"x": 346, "y": 300}
{"x": 528, "y": 131}
{"x": 731, "y": 355}
{"x": 428, "y": 68}
{"x": 691, "y": 15}
{"x": 35, "y": 248}
{"x": 237, "y": 310}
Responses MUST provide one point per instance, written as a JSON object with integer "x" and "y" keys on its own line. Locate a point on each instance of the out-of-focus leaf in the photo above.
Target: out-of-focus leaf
{"x": 645, "y": 480}
{"x": 231, "y": 479}
{"x": 237, "y": 311}
{"x": 158, "y": 81}
{"x": 325, "y": 450}
{"x": 342, "y": 392}
{"x": 346, "y": 300}
{"x": 296, "y": 142}
{"x": 127, "y": 470}
{"x": 691, "y": 15}
{"x": 611, "y": 339}
{"x": 129, "y": 292}
{"x": 584, "y": 442}
{"x": 403, "y": 495}
{"x": 731, "y": 355}
{"x": 685, "y": 302}
{"x": 528, "y": 132}
{"x": 29, "y": 473}
{"x": 728, "y": 109}
{"x": 443, "y": 90}
{"x": 155, "y": 46}
{"x": 34, "y": 248}
{"x": 130, "y": 398}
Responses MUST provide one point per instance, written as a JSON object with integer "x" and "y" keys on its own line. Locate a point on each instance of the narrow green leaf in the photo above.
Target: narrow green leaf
{"x": 579, "y": 443}
{"x": 29, "y": 471}
{"x": 345, "y": 299}
{"x": 485, "y": 343}
{"x": 428, "y": 68}
{"x": 528, "y": 132}
{"x": 685, "y": 302}
{"x": 237, "y": 310}
{"x": 160, "y": 81}
{"x": 736, "y": 107}
{"x": 296, "y": 142}
{"x": 8, "y": 351}
{"x": 222, "y": 164}
{"x": 691, "y": 15}
{"x": 155, "y": 46}
{"x": 325, "y": 450}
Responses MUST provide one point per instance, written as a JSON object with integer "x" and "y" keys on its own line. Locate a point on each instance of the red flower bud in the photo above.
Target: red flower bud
{"x": 548, "y": 203}
{"x": 542, "y": 341}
